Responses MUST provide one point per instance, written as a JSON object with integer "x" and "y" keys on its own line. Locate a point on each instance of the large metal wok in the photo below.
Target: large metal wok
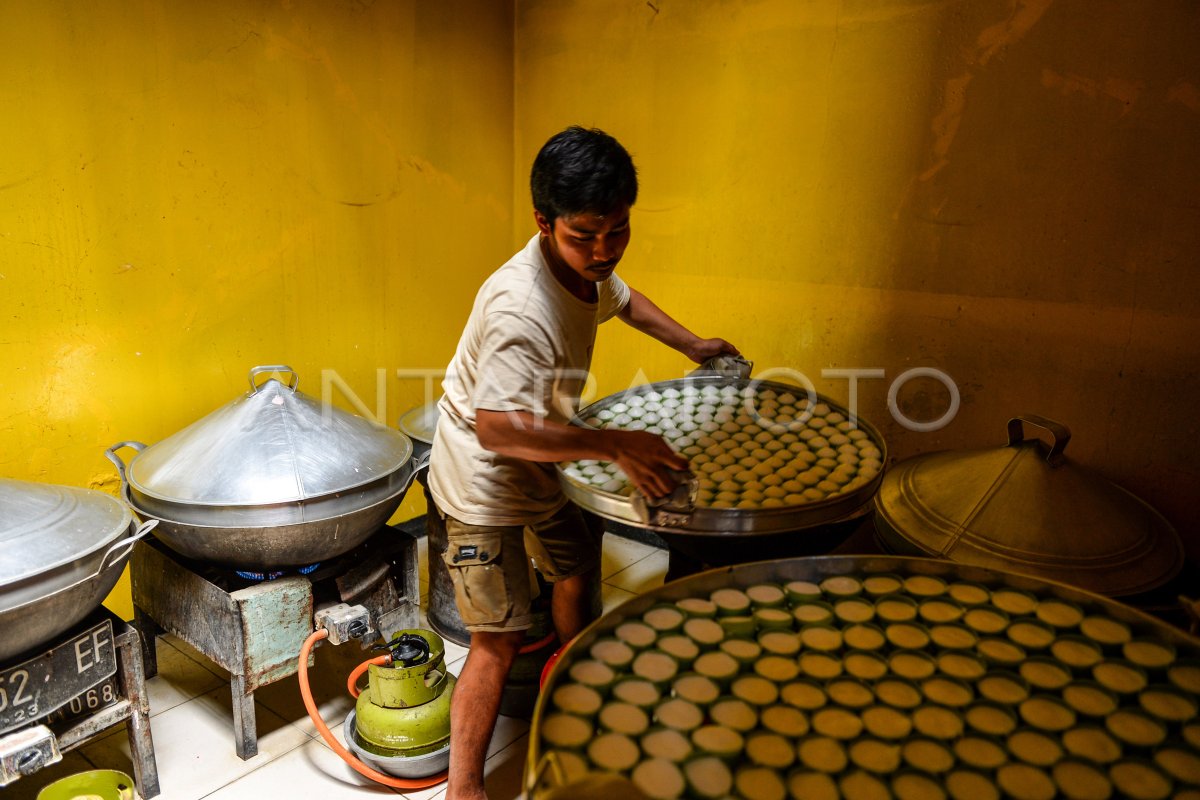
{"x": 1118, "y": 639}
{"x": 272, "y": 479}
{"x": 693, "y": 520}
{"x": 62, "y": 550}
{"x": 420, "y": 424}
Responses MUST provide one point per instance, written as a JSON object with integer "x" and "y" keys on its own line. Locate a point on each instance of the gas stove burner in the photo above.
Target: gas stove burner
{"x": 270, "y": 576}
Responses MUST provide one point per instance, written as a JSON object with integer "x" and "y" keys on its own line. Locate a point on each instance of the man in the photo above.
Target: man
{"x": 513, "y": 384}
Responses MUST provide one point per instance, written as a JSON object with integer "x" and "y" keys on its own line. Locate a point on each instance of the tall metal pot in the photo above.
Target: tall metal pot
{"x": 272, "y": 479}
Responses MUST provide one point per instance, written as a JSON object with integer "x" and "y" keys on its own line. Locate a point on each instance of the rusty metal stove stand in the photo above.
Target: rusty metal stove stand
{"x": 256, "y": 632}
{"x": 132, "y": 707}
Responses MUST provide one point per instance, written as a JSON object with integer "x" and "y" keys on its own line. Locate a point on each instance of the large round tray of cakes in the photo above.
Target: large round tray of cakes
{"x": 870, "y": 677}
{"x": 766, "y": 457}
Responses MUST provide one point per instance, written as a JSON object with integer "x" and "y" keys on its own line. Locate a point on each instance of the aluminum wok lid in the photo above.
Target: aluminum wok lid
{"x": 44, "y": 526}
{"x": 1028, "y": 509}
{"x": 420, "y": 423}
{"x": 272, "y": 445}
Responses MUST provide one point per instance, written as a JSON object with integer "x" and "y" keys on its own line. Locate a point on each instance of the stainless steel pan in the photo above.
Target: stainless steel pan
{"x": 720, "y": 522}
{"x": 62, "y": 550}
{"x": 272, "y": 479}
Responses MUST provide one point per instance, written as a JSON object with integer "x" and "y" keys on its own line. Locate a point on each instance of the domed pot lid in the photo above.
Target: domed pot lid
{"x": 1026, "y": 508}
{"x": 272, "y": 445}
{"x": 420, "y": 423}
{"x": 44, "y": 527}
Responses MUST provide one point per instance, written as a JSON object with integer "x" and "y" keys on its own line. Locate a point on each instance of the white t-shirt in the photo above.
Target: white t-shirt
{"x": 527, "y": 346}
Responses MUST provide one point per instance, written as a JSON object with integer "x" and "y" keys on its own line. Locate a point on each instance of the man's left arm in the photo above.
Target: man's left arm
{"x": 641, "y": 313}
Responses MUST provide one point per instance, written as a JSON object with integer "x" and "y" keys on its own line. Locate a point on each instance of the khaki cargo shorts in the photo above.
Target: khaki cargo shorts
{"x": 489, "y": 565}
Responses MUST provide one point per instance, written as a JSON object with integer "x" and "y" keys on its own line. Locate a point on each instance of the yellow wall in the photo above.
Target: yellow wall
{"x": 188, "y": 190}
{"x": 1003, "y": 191}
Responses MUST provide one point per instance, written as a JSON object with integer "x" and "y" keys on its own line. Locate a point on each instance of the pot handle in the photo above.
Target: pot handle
{"x": 293, "y": 382}
{"x": 126, "y": 543}
{"x": 724, "y": 366}
{"x": 111, "y": 455}
{"x": 1060, "y": 433}
{"x": 672, "y": 511}
{"x": 419, "y": 463}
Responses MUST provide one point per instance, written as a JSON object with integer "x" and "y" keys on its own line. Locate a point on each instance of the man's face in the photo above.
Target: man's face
{"x": 590, "y": 245}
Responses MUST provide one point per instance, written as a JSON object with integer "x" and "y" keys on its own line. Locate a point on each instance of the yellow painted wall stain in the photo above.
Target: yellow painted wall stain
{"x": 991, "y": 42}
{"x": 1186, "y": 94}
{"x": 1124, "y": 92}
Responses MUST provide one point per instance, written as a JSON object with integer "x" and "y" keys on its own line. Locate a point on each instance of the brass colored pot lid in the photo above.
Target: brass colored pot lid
{"x": 272, "y": 445}
{"x": 1027, "y": 509}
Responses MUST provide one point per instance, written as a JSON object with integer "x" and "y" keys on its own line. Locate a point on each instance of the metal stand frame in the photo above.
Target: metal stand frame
{"x": 256, "y": 632}
{"x": 132, "y": 707}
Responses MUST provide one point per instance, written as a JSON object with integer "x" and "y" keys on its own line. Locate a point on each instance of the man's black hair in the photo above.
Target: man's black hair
{"x": 582, "y": 170}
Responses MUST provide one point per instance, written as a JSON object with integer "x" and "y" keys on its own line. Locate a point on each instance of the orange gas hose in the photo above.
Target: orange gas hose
{"x": 331, "y": 740}
{"x": 539, "y": 644}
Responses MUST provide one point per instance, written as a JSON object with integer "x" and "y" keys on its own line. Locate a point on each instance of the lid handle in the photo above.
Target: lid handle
{"x": 1059, "y": 432}
{"x": 283, "y": 369}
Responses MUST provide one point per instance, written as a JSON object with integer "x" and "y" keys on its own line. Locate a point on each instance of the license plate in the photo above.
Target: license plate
{"x": 83, "y": 705}
{"x": 46, "y": 683}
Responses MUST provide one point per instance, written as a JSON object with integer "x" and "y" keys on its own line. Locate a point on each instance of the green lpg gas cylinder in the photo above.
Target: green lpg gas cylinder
{"x": 405, "y": 709}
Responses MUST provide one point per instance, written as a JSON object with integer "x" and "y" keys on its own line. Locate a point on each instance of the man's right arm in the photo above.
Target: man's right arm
{"x": 641, "y": 313}
{"x": 644, "y": 457}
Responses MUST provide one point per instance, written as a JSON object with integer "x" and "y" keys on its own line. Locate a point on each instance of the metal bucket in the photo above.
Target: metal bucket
{"x": 419, "y": 424}
{"x": 400, "y": 766}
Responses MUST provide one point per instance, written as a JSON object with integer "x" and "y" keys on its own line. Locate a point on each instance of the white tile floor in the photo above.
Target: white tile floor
{"x": 192, "y": 722}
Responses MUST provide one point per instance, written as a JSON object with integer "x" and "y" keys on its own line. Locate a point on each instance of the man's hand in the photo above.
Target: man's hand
{"x": 646, "y": 460}
{"x": 703, "y": 349}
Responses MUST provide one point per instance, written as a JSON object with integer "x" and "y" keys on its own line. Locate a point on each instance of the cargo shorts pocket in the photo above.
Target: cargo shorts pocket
{"x": 480, "y": 589}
